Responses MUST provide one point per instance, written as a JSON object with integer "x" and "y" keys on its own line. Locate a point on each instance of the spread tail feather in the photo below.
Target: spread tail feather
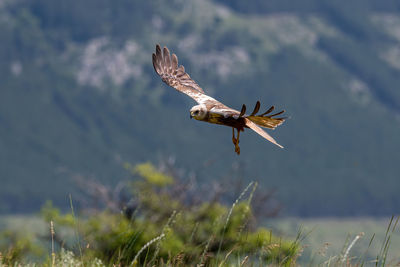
{"x": 263, "y": 119}
{"x": 266, "y": 122}
{"x": 260, "y": 131}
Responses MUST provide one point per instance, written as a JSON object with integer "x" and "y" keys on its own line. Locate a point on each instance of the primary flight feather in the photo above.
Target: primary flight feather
{"x": 209, "y": 109}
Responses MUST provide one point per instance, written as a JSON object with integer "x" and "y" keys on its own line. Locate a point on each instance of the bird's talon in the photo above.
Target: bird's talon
{"x": 237, "y": 150}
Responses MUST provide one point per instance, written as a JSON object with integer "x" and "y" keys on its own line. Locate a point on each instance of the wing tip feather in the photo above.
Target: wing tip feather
{"x": 166, "y": 65}
{"x": 156, "y": 66}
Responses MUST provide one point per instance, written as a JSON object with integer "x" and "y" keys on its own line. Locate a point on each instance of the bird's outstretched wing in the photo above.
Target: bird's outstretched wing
{"x": 261, "y": 132}
{"x": 167, "y": 67}
{"x": 266, "y": 119}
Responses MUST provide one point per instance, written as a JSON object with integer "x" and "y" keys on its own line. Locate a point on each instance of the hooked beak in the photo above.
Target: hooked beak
{"x": 191, "y": 115}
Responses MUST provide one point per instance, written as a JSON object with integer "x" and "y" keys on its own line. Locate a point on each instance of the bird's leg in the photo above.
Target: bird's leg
{"x": 234, "y": 140}
{"x": 237, "y": 148}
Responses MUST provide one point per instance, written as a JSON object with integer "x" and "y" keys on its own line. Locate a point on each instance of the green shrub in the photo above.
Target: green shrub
{"x": 161, "y": 224}
{"x": 16, "y": 246}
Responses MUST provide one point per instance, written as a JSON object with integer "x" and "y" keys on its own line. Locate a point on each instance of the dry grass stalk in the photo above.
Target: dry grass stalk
{"x": 134, "y": 262}
{"x": 53, "y": 254}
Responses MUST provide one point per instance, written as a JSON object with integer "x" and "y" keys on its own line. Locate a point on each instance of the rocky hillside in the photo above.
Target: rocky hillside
{"x": 79, "y": 96}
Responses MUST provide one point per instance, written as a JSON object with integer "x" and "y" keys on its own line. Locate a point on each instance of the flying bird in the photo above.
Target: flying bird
{"x": 209, "y": 109}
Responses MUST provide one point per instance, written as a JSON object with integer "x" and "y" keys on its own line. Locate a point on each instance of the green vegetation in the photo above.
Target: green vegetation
{"x": 159, "y": 226}
{"x": 163, "y": 223}
{"x": 327, "y": 237}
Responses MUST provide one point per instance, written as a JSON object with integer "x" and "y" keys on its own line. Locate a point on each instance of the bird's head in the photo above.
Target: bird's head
{"x": 198, "y": 112}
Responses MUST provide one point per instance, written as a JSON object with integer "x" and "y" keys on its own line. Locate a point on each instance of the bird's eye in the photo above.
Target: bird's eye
{"x": 196, "y": 112}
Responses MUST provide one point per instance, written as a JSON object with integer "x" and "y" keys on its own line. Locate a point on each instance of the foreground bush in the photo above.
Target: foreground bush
{"x": 163, "y": 222}
{"x": 159, "y": 220}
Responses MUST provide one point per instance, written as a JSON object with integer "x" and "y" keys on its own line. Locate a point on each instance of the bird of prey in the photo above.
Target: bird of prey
{"x": 209, "y": 109}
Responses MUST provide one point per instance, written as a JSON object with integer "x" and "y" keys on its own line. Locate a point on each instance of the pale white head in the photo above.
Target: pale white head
{"x": 198, "y": 112}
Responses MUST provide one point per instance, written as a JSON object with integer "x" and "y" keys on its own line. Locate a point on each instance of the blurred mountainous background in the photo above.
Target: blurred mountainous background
{"x": 78, "y": 95}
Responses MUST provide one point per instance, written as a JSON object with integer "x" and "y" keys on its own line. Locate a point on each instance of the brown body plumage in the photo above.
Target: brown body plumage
{"x": 209, "y": 109}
